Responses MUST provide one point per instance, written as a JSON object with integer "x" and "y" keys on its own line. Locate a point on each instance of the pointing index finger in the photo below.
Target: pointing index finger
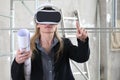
{"x": 77, "y": 25}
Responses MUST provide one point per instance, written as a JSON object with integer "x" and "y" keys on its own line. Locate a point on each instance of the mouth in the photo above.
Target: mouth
{"x": 48, "y": 27}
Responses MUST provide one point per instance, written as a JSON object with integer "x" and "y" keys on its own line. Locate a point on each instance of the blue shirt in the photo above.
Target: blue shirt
{"x": 47, "y": 60}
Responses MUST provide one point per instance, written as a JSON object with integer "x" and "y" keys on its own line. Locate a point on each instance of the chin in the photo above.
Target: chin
{"x": 50, "y": 31}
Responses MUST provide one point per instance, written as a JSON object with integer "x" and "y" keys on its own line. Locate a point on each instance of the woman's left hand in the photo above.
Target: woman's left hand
{"x": 81, "y": 33}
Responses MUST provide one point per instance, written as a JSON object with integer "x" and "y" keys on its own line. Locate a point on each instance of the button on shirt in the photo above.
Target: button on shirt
{"x": 47, "y": 60}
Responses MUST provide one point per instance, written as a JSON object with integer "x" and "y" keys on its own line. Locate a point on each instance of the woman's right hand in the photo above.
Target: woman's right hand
{"x": 22, "y": 56}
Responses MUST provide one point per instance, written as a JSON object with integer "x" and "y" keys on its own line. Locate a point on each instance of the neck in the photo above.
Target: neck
{"x": 46, "y": 41}
{"x": 47, "y": 38}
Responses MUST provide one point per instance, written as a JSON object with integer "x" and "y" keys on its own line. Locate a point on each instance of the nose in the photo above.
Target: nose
{"x": 49, "y": 24}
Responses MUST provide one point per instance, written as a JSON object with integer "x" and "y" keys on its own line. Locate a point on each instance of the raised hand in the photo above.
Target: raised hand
{"x": 81, "y": 32}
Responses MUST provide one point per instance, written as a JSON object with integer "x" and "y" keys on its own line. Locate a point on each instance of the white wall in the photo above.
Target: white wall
{"x": 87, "y": 9}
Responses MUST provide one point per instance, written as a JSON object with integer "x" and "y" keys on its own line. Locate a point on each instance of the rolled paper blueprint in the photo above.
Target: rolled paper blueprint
{"x": 24, "y": 45}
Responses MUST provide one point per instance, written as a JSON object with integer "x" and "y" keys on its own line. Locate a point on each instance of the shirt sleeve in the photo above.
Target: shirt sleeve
{"x": 17, "y": 71}
{"x": 79, "y": 53}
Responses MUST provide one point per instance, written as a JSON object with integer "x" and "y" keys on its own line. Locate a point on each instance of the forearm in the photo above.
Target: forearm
{"x": 81, "y": 52}
{"x": 17, "y": 71}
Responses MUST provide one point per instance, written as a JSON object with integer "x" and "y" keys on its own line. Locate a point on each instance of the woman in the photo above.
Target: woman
{"x": 50, "y": 53}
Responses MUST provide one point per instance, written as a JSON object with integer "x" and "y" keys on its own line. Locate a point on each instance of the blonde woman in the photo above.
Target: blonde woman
{"x": 50, "y": 52}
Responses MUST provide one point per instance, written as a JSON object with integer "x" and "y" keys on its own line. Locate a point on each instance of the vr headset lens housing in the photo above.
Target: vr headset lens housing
{"x": 48, "y": 17}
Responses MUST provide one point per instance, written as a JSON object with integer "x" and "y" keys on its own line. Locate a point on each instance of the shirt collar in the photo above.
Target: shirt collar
{"x": 54, "y": 42}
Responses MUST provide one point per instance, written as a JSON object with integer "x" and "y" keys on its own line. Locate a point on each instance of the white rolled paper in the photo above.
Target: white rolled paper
{"x": 24, "y": 45}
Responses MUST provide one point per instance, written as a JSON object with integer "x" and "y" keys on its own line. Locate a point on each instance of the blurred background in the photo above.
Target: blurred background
{"x": 101, "y": 18}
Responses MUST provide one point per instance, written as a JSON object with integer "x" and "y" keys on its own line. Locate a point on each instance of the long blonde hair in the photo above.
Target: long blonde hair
{"x": 37, "y": 35}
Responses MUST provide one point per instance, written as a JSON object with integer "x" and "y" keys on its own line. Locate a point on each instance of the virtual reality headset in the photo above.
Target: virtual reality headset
{"x": 48, "y": 14}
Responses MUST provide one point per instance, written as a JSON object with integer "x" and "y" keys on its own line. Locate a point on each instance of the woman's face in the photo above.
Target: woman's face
{"x": 47, "y": 28}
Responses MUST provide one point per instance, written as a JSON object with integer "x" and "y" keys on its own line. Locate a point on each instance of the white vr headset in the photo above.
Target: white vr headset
{"x": 47, "y": 14}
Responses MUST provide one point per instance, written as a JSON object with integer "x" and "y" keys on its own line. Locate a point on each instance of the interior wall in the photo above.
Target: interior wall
{"x": 113, "y": 55}
{"x": 110, "y": 66}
